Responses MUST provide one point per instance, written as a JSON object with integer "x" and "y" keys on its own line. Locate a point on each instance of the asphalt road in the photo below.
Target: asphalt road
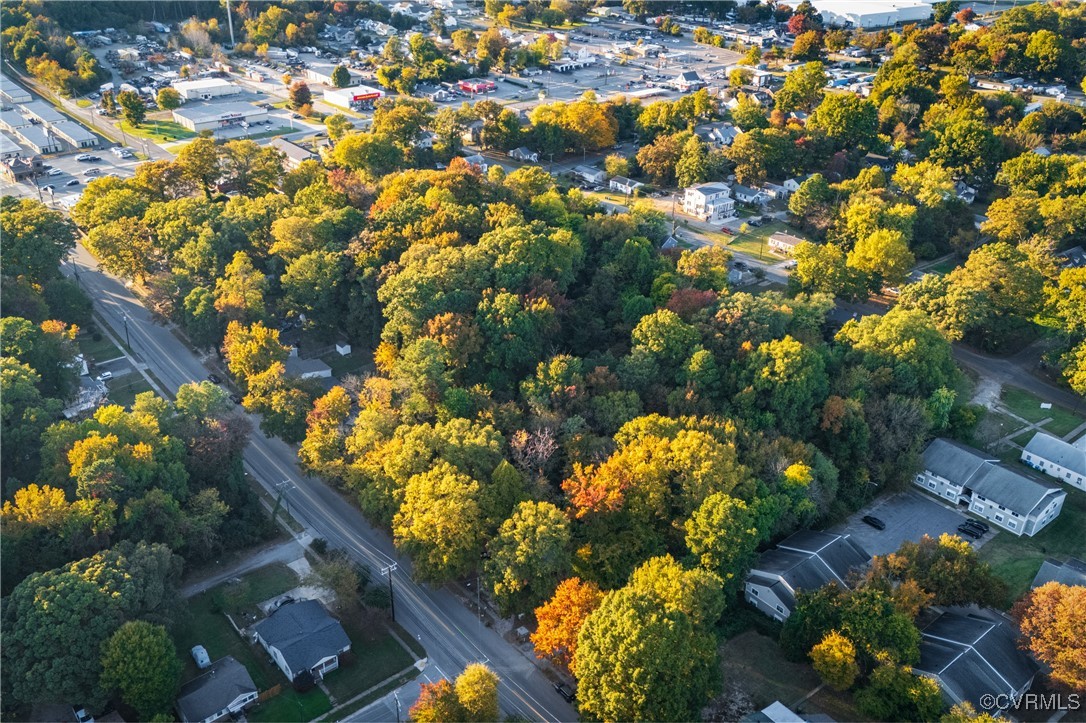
{"x": 451, "y": 634}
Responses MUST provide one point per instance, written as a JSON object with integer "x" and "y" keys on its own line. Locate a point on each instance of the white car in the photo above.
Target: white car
{"x": 104, "y": 376}
{"x": 92, "y": 172}
{"x": 54, "y": 172}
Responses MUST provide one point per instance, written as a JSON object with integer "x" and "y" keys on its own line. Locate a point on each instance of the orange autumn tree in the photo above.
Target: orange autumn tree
{"x": 561, "y": 618}
{"x": 1052, "y": 619}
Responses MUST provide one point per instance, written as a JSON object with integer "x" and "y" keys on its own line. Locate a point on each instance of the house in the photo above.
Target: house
{"x": 973, "y": 656}
{"x": 874, "y": 159}
{"x": 16, "y": 169}
{"x": 524, "y": 154}
{"x": 433, "y": 92}
{"x": 1056, "y": 458}
{"x": 966, "y": 193}
{"x": 473, "y": 132}
{"x": 745, "y": 194}
{"x": 1072, "y": 572}
{"x": 1000, "y": 494}
{"x": 775, "y": 191}
{"x": 784, "y": 243}
{"x": 710, "y": 202}
{"x": 740, "y": 277}
{"x": 293, "y": 154}
{"x": 223, "y": 691}
{"x": 719, "y": 135}
{"x": 1072, "y": 258}
{"x": 807, "y": 560}
{"x": 1042, "y": 151}
{"x": 590, "y": 174}
{"x": 624, "y": 185}
{"x": 688, "y": 80}
{"x": 424, "y": 140}
{"x": 306, "y": 368}
{"x": 793, "y": 184}
{"x": 302, "y": 638}
{"x": 776, "y": 712}
{"x": 477, "y": 161}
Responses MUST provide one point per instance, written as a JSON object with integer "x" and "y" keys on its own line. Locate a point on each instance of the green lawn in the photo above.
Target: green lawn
{"x": 158, "y": 131}
{"x": 375, "y": 695}
{"x": 353, "y": 363}
{"x": 1028, "y": 406}
{"x": 993, "y": 426}
{"x": 945, "y": 267}
{"x": 756, "y": 241}
{"x": 1017, "y": 559}
{"x": 206, "y": 625}
{"x": 379, "y": 656}
{"x": 123, "y": 390}
{"x": 99, "y": 350}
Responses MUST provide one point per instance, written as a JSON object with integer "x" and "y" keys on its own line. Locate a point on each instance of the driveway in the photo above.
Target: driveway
{"x": 908, "y": 516}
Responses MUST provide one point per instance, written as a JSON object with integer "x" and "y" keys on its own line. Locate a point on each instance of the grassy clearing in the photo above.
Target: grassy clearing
{"x": 123, "y": 390}
{"x": 1023, "y": 439}
{"x": 375, "y": 695}
{"x": 351, "y": 364}
{"x": 1017, "y": 559}
{"x": 379, "y": 655}
{"x": 1028, "y": 406}
{"x": 97, "y": 350}
{"x": 944, "y": 267}
{"x": 756, "y": 241}
{"x": 757, "y": 665}
{"x": 994, "y": 426}
{"x": 207, "y": 625}
{"x": 159, "y": 131}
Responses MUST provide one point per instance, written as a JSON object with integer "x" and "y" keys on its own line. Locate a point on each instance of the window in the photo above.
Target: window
{"x": 999, "y": 518}
{"x": 1013, "y": 525}
{"x": 754, "y": 592}
{"x": 1029, "y": 458}
{"x": 1002, "y": 507}
{"x": 950, "y": 494}
{"x": 920, "y": 478}
{"x": 931, "y": 483}
{"x": 780, "y": 609}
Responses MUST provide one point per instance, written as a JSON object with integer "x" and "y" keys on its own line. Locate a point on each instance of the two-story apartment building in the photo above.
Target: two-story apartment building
{"x": 963, "y": 476}
{"x": 807, "y": 560}
{"x": 710, "y": 202}
{"x": 1056, "y": 458}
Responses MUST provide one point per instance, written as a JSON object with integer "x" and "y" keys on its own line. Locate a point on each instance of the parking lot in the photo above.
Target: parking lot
{"x": 908, "y": 516}
{"x": 70, "y": 169}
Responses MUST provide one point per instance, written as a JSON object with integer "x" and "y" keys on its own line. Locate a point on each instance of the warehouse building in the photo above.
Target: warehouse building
{"x": 75, "y": 134}
{"x": 39, "y": 139}
{"x": 872, "y": 13}
{"x": 205, "y": 89}
{"x": 12, "y": 121}
{"x": 42, "y": 112}
{"x": 10, "y": 93}
{"x": 356, "y": 98}
{"x": 8, "y": 147}
{"x": 322, "y": 73}
{"x": 216, "y": 117}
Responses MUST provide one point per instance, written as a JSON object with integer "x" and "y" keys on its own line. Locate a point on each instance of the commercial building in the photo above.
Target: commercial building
{"x": 963, "y": 476}
{"x": 10, "y": 93}
{"x": 8, "y": 147}
{"x": 216, "y": 117}
{"x": 39, "y": 139}
{"x": 42, "y": 112}
{"x": 356, "y": 98}
{"x": 477, "y": 85}
{"x": 15, "y": 169}
{"x": 322, "y": 73}
{"x": 12, "y": 121}
{"x": 75, "y": 134}
{"x": 872, "y": 13}
{"x": 205, "y": 88}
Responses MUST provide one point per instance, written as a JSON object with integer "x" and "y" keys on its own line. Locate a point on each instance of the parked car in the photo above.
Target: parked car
{"x": 82, "y": 716}
{"x": 974, "y": 525}
{"x": 874, "y": 522}
{"x": 48, "y": 189}
{"x": 235, "y": 399}
{"x": 104, "y": 376}
{"x": 199, "y": 654}
{"x": 84, "y": 157}
{"x": 73, "y": 182}
{"x": 54, "y": 172}
{"x": 214, "y": 378}
{"x": 92, "y": 172}
{"x": 970, "y": 532}
{"x": 980, "y": 524}
{"x": 566, "y": 692}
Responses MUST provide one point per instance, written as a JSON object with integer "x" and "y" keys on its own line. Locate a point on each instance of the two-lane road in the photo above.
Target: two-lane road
{"x": 452, "y": 635}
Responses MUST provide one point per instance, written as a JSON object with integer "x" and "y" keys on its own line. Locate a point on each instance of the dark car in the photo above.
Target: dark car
{"x": 566, "y": 692}
{"x": 975, "y": 527}
{"x": 970, "y": 531}
{"x": 982, "y": 526}
{"x": 214, "y": 378}
{"x": 874, "y": 522}
{"x": 235, "y": 399}
{"x": 73, "y": 182}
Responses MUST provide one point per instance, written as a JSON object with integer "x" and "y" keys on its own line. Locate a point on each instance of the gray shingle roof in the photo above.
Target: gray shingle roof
{"x": 974, "y": 654}
{"x": 1071, "y": 572}
{"x": 218, "y": 687}
{"x": 806, "y": 561}
{"x": 1053, "y": 449}
{"x": 304, "y": 633}
{"x": 953, "y": 461}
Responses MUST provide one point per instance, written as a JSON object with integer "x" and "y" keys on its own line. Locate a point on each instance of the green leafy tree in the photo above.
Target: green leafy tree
{"x": 168, "y": 99}
{"x": 786, "y": 379}
{"x": 140, "y": 662}
{"x": 834, "y": 659}
{"x": 802, "y": 88}
{"x": 338, "y": 126}
{"x": 722, "y": 537}
{"x": 895, "y": 693}
{"x": 849, "y": 121}
{"x": 36, "y": 239}
{"x": 529, "y": 556}
{"x": 906, "y": 342}
{"x": 341, "y": 77}
{"x": 477, "y": 691}
{"x": 694, "y": 164}
{"x": 251, "y": 350}
{"x": 132, "y": 106}
{"x": 884, "y": 255}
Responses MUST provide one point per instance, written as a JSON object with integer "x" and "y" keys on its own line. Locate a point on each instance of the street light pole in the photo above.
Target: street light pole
{"x": 127, "y": 340}
{"x": 396, "y": 695}
{"x": 391, "y": 594}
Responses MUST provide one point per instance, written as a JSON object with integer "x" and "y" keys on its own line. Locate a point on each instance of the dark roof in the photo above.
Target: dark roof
{"x": 220, "y": 685}
{"x": 304, "y": 633}
{"x": 806, "y": 561}
{"x": 974, "y": 654}
{"x": 1071, "y": 572}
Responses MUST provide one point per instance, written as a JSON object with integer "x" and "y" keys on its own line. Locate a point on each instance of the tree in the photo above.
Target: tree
{"x": 559, "y": 620}
{"x": 36, "y": 239}
{"x": 658, "y": 159}
{"x": 168, "y": 99}
{"x": 132, "y": 106}
{"x": 834, "y": 659}
{"x": 693, "y": 165}
{"x": 616, "y": 165}
{"x": 254, "y": 170}
{"x": 477, "y": 691}
{"x": 1049, "y": 52}
{"x": 251, "y": 350}
{"x": 199, "y": 163}
{"x": 807, "y": 46}
{"x": 722, "y": 537}
{"x": 965, "y": 712}
{"x": 529, "y": 556}
{"x": 639, "y": 659}
{"x": 437, "y": 703}
{"x": 341, "y": 77}
{"x": 786, "y": 379}
{"x": 1051, "y": 618}
{"x": 338, "y": 126}
{"x": 884, "y": 255}
{"x": 239, "y": 293}
{"x": 895, "y": 693}
{"x": 300, "y": 94}
{"x": 802, "y": 88}
{"x": 849, "y": 120}
{"x": 140, "y": 662}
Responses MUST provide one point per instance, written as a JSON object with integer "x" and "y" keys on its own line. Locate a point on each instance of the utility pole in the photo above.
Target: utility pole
{"x": 396, "y": 695}
{"x": 230, "y": 23}
{"x": 127, "y": 340}
{"x": 391, "y": 595}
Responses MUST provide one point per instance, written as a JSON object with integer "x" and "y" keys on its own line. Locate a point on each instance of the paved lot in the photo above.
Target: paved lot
{"x": 908, "y": 516}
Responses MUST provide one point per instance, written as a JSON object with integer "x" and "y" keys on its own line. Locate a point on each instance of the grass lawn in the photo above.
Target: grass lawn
{"x": 1023, "y": 439}
{"x": 207, "y": 626}
{"x": 755, "y": 242}
{"x": 97, "y": 351}
{"x": 375, "y": 695}
{"x": 281, "y": 130}
{"x": 158, "y": 131}
{"x": 350, "y": 364}
{"x": 123, "y": 390}
{"x": 945, "y": 267}
{"x": 1017, "y": 559}
{"x": 84, "y": 103}
{"x": 995, "y": 425}
{"x": 379, "y": 656}
{"x": 1028, "y": 406}
{"x": 758, "y": 666}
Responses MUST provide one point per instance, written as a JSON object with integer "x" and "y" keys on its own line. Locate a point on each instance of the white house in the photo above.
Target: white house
{"x": 710, "y": 202}
{"x": 524, "y": 154}
{"x": 963, "y": 476}
{"x": 719, "y": 135}
{"x": 805, "y": 561}
{"x": 624, "y": 185}
{"x": 688, "y": 80}
{"x": 966, "y": 193}
{"x": 224, "y": 690}
{"x": 590, "y": 174}
{"x": 783, "y": 243}
{"x": 793, "y": 184}
{"x": 753, "y": 196}
{"x": 1056, "y": 458}
{"x": 302, "y": 638}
